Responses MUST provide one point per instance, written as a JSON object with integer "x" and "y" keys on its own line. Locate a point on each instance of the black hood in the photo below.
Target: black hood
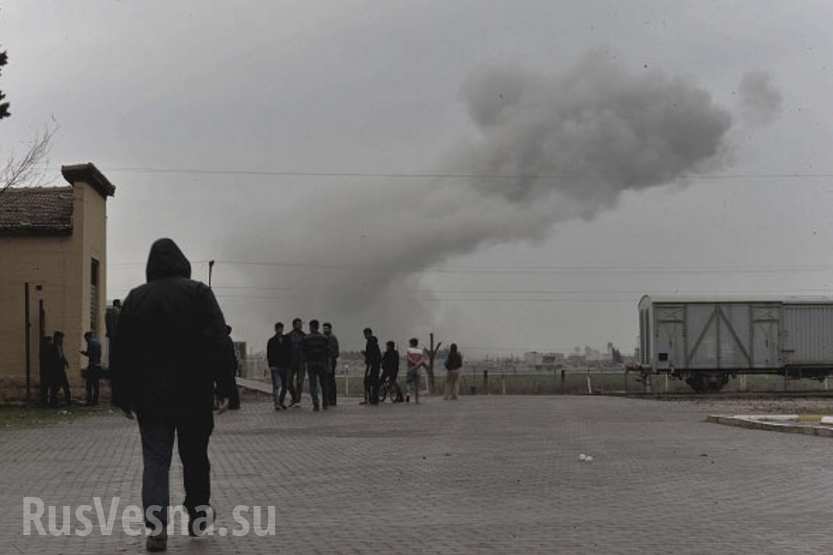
{"x": 166, "y": 260}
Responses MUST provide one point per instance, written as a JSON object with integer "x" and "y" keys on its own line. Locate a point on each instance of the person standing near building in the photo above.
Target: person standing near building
{"x": 372, "y": 360}
{"x": 317, "y": 355}
{"x": 333, "y": 363}
{"x": 92, "y": 374}
{"x": 45, "y": 368}
{"x": 279, "y": 357}
{"x": 232, "y": 363}
{"x": 297, "y": 366}
{"x": 453, "y": 364}
{"x": 390, "y": 371}
{"x": 111, "y": 323}
{"x": 169, "y": 359}
{"x": 415, "y": 359}
{"x": 58, "y": 373}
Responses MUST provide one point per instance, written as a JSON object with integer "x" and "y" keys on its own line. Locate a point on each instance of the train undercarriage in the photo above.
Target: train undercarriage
{"x": 712, "y": 381}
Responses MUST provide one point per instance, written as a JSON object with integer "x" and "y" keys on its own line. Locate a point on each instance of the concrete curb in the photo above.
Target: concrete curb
{"x": 255, "y": 385}
{"x": 774, "y": 423}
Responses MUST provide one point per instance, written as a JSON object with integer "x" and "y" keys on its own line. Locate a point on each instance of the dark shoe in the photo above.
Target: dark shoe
{"x": 315, "y": 408}
{"x": 407, "y": 398}
{"x": 282, "y": 407}
{"x": 199, "y": 521}
{"x": 157, "y": 541}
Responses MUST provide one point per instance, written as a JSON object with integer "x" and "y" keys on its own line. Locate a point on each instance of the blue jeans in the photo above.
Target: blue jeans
{"x": 280, "y": 384}
{"x": 317, "y": 373}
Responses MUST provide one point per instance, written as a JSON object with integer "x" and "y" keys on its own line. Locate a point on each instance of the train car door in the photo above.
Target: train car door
{"x": 766, "y": 325}
{"x": 670, "y": 336}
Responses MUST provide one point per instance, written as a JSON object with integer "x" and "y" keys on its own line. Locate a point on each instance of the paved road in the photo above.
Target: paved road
{"x": 493, "y": 474}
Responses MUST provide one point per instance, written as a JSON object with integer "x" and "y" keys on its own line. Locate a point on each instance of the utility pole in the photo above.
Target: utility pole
{"x": 28, "y": 333}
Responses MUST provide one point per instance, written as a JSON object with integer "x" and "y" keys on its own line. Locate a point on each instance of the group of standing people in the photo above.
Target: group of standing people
{"x": 415, "y": 361}
{"x": 294, "y": 355}
{"x": 54, "y": 365}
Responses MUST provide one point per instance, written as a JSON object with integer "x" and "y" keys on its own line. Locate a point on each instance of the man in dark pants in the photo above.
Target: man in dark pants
{"x": 169, "y": 358}
{"x": 372, "y": 359}
{"x": 111, "y": 324}
{"x": 317, "y": 355}
{"x": 58, "y": 371}
{"x": 45, "y": 368}
{"x": 92, "y": 373}
{"x": 390, "y": 371}
{"x": 297, "y": 366}
{"x": 232, "y": 364}
{"x": 331, "y": 374}
{"x": 279, "y": 357}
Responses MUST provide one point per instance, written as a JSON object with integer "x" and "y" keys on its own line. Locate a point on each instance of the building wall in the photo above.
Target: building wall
{"x": 58, "y": 270}
{"x": 93, "y": 246}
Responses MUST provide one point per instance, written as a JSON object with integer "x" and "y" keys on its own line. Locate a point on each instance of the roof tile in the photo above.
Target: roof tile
{"x": 36, "y": 211}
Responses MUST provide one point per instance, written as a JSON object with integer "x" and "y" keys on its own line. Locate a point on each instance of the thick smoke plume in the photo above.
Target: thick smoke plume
{"x": 760, "y": 101}
{"x": 546, "y": 149}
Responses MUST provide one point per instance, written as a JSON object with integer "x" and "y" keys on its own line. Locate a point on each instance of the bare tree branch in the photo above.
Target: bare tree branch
{"x": 31, "y": 167}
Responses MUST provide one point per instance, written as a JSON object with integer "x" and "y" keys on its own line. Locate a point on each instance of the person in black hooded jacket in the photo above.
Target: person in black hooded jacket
{"x": 168, "y": 361}
{"x": 372, "y": 360}
{"x": 233, "y": 365}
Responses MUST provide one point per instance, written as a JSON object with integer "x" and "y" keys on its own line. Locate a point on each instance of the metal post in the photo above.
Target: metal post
{"x": 28, "y": 333}
{"x": 210, "y": 271}
{"x": 485, "y": 382}
{"x": 563, "y": 381}
{"x": 503, "y": 384}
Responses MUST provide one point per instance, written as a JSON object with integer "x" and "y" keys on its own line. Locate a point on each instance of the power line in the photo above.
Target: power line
{"x": 527, "y": 269}
{"x": 447, "y": 299}
{"x": 440, "y": 175}
{"x": 557, "y": 291}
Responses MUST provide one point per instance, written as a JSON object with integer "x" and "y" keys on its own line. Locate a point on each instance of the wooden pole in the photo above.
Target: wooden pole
{"x": 28, "y": 333}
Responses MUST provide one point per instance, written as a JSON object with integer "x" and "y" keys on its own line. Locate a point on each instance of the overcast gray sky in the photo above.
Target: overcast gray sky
{"x": 378, "y": 87}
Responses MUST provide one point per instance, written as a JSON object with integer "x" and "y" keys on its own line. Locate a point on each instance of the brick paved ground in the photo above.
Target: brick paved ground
{"x": 497, "y": 474}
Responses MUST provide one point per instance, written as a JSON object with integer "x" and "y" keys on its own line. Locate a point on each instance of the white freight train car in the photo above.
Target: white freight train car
{"x": 705, "y": 340}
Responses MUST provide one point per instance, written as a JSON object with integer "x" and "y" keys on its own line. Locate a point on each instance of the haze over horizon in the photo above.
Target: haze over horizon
{"x": 325, "y": 155}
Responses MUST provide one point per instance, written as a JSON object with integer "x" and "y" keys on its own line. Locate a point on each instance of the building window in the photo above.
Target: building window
{"x": 94, "y": 295}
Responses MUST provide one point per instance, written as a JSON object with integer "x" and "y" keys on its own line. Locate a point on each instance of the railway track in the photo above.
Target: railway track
{"x": 727, "y": 395}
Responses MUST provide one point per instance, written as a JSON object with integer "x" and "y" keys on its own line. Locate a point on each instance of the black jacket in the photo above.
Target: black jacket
{"x": 296, "y": 340}
{"x": 454, "y": 361}
{"x": 279, "y": 351}
{"x": 390, "y": 362}
{"x": 334, "y": 348}
{"x": 372, "y": 354}
{"x": 316, "y": 348}
{"x": 172, "y": 343}
{"x": 111, "y": 321}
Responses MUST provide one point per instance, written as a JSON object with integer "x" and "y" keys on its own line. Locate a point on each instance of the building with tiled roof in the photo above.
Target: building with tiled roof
{"x": 55, "y": 240}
